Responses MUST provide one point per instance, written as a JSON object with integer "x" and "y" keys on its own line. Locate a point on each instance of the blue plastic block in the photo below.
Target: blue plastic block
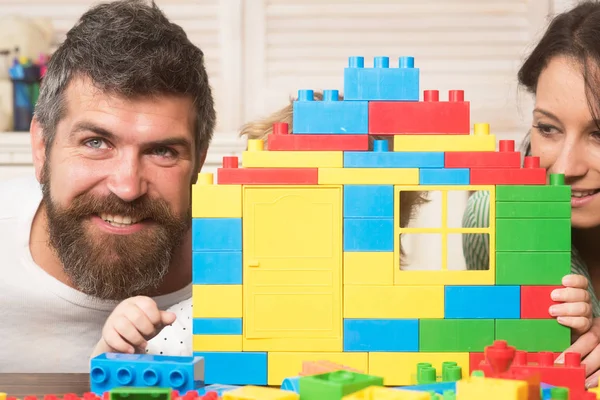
{"x": 217, "y": 268}
{"x": 217, "y": 326}
{"x": 368, "y": 201}
{"x": 368, "y": 234}
{"x": 389, "y": 159}
{"x": 438, "y": 388}
{"x": 217, "y": 234}
{"x": 381, "y": 335}
{"x": 112, "y": 370}
{"x": 453, "y": 176}
{"x": 498, "y": 302}
{"x": 329, "y": 116}
{"x": 381, "y": 82}
{"x": 235, "y": 368}
{"x": 219, "y": 389}
{"x": 291, "y": 384}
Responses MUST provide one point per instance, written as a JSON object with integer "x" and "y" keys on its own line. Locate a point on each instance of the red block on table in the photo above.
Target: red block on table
{"x": 430, "y": 116}
{"x": 507, "y": 157}
{"x": 535, "y": 301}
{"x": 531, "y": 174}
{"x": 230, "y": 174}
{"x": 475, "y": 359}
{"x": 280, "y": 139}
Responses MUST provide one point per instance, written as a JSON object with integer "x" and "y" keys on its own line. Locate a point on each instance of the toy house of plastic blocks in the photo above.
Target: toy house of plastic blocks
{"x": 297, "y": 248}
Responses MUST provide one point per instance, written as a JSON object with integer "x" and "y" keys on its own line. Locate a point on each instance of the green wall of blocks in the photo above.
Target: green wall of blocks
{"x": 521, "y": 333}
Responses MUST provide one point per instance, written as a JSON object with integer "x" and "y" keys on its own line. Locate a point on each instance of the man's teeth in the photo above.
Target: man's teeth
{"x": 583, "y": 194}
{"x": 118, "y": 220}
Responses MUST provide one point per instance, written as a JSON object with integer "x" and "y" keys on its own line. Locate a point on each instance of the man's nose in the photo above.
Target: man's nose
{"x": 127, "y": 180}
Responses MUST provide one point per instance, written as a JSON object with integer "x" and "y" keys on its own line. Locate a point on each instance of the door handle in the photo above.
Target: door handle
{"x": 253, "y": 263}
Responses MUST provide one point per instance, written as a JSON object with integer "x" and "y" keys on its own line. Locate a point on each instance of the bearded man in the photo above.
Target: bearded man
{"x": 121, "y": 129}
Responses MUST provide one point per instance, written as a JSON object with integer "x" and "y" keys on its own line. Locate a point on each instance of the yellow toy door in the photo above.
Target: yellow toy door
{"x": 292, "y": 250}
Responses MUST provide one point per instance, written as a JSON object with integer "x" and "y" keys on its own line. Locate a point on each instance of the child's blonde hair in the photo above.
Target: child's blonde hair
{"x": 262, "y": 128}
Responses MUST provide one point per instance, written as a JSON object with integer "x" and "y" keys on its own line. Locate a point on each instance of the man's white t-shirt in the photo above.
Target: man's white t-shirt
{"x": 45, "y": 325}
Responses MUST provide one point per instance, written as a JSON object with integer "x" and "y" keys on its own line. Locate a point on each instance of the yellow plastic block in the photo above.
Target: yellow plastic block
{"x": 259, "y": 393}
{"x": 595, "y": 390}
{"x": 393, "y": 301}
{"x": 215, "y": 201}
{"x": 292, "y": 264}
{"x": 293, "y": 159}
{"x": 401, "y": 368}
{"x": 217, "y": 343}
{"x": 383, "y": 393}
{"x": 366, "y": 268}
{"x": 476, "y": 388}
{"x": 368, "y": 176}
{"x": 217, "y": 301}
{"x": 286, "y": 364}
{"x": 481, "y": 140}
{"x": 2, "y": 396}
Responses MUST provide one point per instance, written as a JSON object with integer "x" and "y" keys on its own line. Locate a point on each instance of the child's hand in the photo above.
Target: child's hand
{"x": 576, "y": 310}
{"x": 131, "y": 324}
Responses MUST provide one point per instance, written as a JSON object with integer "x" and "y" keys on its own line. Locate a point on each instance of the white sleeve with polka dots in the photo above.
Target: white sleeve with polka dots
{"x": 175, "y": 340}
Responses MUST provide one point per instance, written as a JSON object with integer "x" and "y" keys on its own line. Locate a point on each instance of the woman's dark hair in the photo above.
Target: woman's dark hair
{"x": 575, "y": 34}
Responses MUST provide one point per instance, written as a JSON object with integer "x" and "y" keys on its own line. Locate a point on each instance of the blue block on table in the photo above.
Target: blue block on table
{"x": 217, "y": 326}
{"x": 497, "y": 302}
{"x": 217, "y": 234}
{"x": 453, "y": 176}
{"x": 235, "y": 368}
{"x": 382, "y": 335}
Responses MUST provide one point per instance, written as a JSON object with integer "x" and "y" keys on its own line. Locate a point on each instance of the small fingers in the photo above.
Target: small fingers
{"x": 579, "y": 324}
{"x": 592, "y": 380}
{"x": 571, "y": 310}
{"x": 570, "y": 295}
{"x": 167, "y": 318}
{"x": 140, "y": 321}
{"x": 129, "y": 332}
{"x": 575, "y": 281}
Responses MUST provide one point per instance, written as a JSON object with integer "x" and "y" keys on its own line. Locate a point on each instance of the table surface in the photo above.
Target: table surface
{"x": 20, "y": 385}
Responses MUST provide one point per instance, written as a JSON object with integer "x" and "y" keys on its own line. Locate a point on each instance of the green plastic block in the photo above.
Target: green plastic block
{"x": 449, "y": 335}
{"x": 533, "y": 210}
{"x": 532, "y": 268}
{"x": 533, "y": 234}
{"x": 534, "y": 334}
{"x": 533, "y": 193}
{"x": 140, "y": 393}
{"x": 335, "y": 385}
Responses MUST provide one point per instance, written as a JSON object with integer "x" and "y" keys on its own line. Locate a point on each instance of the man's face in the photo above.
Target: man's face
{"x": 117, "y": 189}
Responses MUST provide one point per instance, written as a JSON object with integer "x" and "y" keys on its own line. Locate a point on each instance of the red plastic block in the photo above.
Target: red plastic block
{"x": 230, "y": 174}
{"x": 282, "y": 140}
{"x": 424, "y": 117}
{"x": 475, "y": 359}
{"x": 531, "y": 174}
{"x": 535, "y": 301}
{"x": 507, "y": 157}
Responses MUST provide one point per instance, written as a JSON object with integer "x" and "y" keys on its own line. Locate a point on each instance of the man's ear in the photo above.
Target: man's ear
{"x": 38, "y": 148}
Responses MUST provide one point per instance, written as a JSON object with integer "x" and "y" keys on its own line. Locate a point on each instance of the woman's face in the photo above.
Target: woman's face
{"x": 566, "y": 138}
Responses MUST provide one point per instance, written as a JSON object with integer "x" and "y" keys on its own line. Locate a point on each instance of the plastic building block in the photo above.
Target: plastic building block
{"x": 438, "y": 387}
{"x": 368, "y": 201}
{"x": 217, "y": 342}
{"x": 217, "y": 268}
{"x": 217, "y": 326}
{"x": 368, "y": 234}
{"x": 455, "y": 335}
{"x": 389, "y": 302}
{"x": 481, "y": 140}
{"x": 533, "y": 210}
{"x": 533, "y": 235}
{"x": 381, "y": 335}
{"x": 291, "y": 384}
{"x": 218, "y": 389}
{"x": 427, "y": 373}
{"x": 518, "y": 332}
{"x": 492, "y": 389}
{"x": 256, "y": 157}
{"x": 536, "y": 300}
{"x": 217, "y": 301}
{"x": 259, "y": 393}
{"x": 140, "y": 393}
{"x": 475, "y": 359}
{"x": 482, "y": 302}
{"x": 458, "y": 176}
{"x": 230, "y": 174}
{"x": 507, "y": 157}
{"x": 215, "y": 201}
{"x": 112, "y": 370}
{"x": 216, "y": 234}
{"x": 525, "y": 193}
{"x": 532, "y": 268}
{"x": 251, "y": 367}
{"x": 381, "y": 157}
{"x": 430, "y": 116}
{"x": 282, "y": 140}
{"x": 381, "y": 82}
{"x": 330, "y": 116}
{"x": 383, "y": 393}
{"x": 380, "y": 269}
{"x": 531, "y": 174}
{"x": 286, "y": 364}
{"x": 335, "y": 385}
{"x": 368, "y": 176}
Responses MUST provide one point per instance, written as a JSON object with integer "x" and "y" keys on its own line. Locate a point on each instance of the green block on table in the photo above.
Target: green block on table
{"x": 534, "y": 334}
{"x": 533, "y": 234}
{"x": 535, "y": 193}
{"x": 546, "y": 210}
{"x": 335, "y": 385}
{"x": 140, "y": 393}
{"x": 532, "y": 268}
{"x": 450, "y": 335}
